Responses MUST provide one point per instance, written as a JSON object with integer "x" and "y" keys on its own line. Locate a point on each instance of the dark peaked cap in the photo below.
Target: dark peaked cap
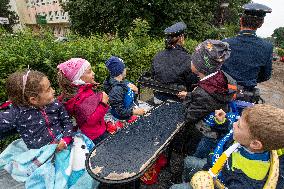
{"x": 256, "y": 10}
{"x": 176, "y": 29}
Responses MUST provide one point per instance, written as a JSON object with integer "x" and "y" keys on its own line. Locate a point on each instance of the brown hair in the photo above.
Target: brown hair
{"x": 266, "y": 124}
{"x": 16, "y": 91}
{"x": 171, "y": 41}
{"x": 67, "y": 88}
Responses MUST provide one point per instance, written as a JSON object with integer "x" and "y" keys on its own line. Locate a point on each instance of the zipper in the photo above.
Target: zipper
{"x": 47, "y": 123}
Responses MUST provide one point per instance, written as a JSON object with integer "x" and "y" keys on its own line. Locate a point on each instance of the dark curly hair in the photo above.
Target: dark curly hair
{"x": 16, "y": 91}
{"x": 252, "y": 22}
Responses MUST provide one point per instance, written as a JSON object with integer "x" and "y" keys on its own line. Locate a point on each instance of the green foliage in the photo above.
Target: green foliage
{"x": 190, "y": 45}
{"x": 278, "y": 35}
{"x": 40, "y": 52}
{"x": 7, "y": 13}
{"x": 280, "y": 52}
{"x": 232, "y": 13}
{"x": 7, "y": 141}
{"x": 228, "y": 30}
{"x": 116, "y": 16}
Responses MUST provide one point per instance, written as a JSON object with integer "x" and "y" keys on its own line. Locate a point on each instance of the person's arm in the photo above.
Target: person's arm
{"x": 66, "y": 124}
{"x": 265, "y": 71}
{"x": 98, "y": 114}
{"x": 100, "y": 111}
{"x": 133, "y": 87}
{"x": 221, "y": 119}
{"x": 198, "y": 105}
{"x": 191, "y": 79}
{"x": 7, "y": 123}
{"x": 116, "y": 99}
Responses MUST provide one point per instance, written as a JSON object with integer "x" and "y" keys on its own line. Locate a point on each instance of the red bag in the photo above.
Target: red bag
{"x": 151, "y": 175}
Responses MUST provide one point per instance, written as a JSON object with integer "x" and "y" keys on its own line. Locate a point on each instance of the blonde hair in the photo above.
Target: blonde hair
{"x": 266, "y": 124}
{"x": 19, "y": 91}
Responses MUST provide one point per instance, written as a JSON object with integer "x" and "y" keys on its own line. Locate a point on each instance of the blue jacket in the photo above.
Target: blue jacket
{"x": 235, "y": 179}
{"x": 37, "y": 127}
{"x": 121, "y": 98}
{"x": 250, "y": 61}
{"x": 234, "y": 176}
{"x": 280, "y": 184}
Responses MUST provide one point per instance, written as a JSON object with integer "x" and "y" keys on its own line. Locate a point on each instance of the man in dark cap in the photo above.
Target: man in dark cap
{"x": 172, "y": 65}
{"x": 251, "y": 57}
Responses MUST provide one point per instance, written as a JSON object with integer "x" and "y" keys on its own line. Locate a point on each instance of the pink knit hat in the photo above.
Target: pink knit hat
{"x": 74, "y": 68}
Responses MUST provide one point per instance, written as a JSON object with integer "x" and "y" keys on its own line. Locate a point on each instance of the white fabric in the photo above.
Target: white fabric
{"x": 157, "y": 101}
{"x": 79, "y": 82}
{"x": 147, "y": 107}
{"x": 82, "y": 70}
{"x": 208, "y": 76}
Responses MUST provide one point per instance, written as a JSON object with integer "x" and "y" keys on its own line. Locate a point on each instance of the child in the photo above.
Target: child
{"x": 258, "y": 131}
{"x": 120, "y": 91}
{"x": 212, "y": 93}
{"x": 76, "y": 80}
{"x": 35, "y": 114}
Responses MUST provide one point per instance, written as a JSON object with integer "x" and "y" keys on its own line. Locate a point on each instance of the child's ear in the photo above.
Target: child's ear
{"x": 33, "y": 100}
{"x": 256, "y": 145}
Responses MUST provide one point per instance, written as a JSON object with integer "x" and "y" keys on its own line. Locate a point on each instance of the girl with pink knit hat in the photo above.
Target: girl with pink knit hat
{"x": 76, "y": 80}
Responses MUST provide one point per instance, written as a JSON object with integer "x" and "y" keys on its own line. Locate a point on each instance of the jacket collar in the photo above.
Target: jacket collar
{"x": 86, "y": 87}
{"x": 247, "y": 33}
{"x": 254, "y": 156}
{"x": 208, "y": 76}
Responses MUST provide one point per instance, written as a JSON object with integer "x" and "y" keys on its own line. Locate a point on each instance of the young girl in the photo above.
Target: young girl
{"x": 34, "y": 113}
{"x": 76, "y": 80}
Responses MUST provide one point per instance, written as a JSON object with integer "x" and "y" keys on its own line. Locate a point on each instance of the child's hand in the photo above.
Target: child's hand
{"x": 133, "y": 88}
{"x": 61, "y": 145}
{"x": 220, "y": 115}
{"x": 105, "y": 98}
{"x": 182, "y": 95}
{"x": 139, "y": 111}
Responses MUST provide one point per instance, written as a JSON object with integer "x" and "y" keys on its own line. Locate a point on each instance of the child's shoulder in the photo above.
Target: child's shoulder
{"x": 120, "y": 85}
{"x": 56, "y": 104}
{"x": 118, "y": 89}
{"x": 6, "y": 105}
{"x": 8, "y": 111}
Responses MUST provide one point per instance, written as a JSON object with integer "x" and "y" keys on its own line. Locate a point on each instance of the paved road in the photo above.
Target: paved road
{"x": 7, "y": 182}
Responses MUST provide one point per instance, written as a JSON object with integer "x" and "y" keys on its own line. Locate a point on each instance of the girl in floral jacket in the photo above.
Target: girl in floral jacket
{"x": 33, "y": 112}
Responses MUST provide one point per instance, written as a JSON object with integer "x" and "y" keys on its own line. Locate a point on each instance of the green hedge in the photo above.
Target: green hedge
{"x": 280, "y": 52}
{"x": 40, "y": 52}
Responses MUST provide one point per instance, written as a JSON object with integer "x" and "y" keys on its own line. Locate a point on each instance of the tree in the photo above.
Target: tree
{"x": 116, "y": 16}
{"x": 278, "y": 35}
{"x": 7, "y": 13}
{"x": 232, "y": 12}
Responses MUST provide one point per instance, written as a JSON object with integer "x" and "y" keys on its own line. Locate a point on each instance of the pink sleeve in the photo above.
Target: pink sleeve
{"x": 67, "y": 140}
{"x": 100, "y": 112}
